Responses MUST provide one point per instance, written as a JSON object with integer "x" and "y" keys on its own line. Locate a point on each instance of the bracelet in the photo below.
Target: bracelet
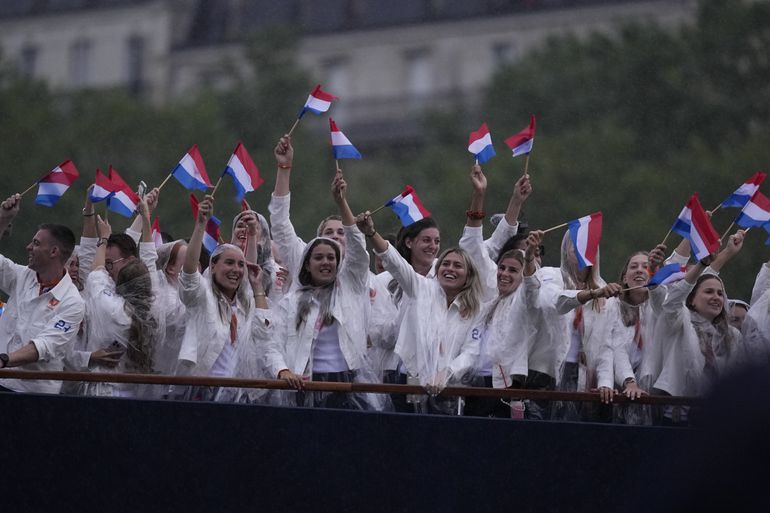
{"x": 260, "y": 294}
{"x": 87, "y": 214}
{"x": 284, "y": 166}
{"x": 101, "y": 242}
{"x": 475, "y": 214}
{"x": 628, "y": 381}
{"x": 370, "y": 235}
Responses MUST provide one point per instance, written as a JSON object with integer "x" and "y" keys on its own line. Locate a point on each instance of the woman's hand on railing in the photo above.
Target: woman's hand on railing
{"x": 291, "y": 378}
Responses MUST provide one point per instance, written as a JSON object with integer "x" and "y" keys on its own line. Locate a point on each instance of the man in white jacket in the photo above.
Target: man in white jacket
{"x": 45, "y": 309}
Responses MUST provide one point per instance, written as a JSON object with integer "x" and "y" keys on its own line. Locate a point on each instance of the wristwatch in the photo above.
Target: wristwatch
{"x": 4, "y": 358}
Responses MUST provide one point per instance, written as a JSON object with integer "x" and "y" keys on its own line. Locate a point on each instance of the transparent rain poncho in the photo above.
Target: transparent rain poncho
{"x": 756, "y": 329}
{"x": 264, "y": 257}
{"x": 123, "y": 319}
{"x": 167, "y": 297}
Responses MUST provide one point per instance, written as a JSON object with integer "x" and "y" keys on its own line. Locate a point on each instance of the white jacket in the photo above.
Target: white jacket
{"x": 290, "y": 348}
{"x": 50, "y": 321}
{"x": 432, "y": 339}
{"x": 206, "y": 333}
{"x": 682, "y": 372}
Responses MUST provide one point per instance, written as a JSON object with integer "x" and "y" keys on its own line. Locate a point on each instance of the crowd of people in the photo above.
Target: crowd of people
{"x": 267, "y": 304}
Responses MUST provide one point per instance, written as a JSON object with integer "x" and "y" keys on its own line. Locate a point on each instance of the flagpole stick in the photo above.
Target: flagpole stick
{"x": 555, "y": 228}
{"x": 727, "y": 231}
{"x": 291, "y": 130}
{"x": 477, "y": 162}
{"x": 337, "y": 165}
{"x": 376, "y": 210}
{"x": 526, "y": 164}
{"x": 29, "y": 189}
{"x": 714, "y": 210}
{"x": 217, "y": 185}
{"x": 666, "y": 237}
{"x": 633, "y": 288}
{"x": 164, "y": 181}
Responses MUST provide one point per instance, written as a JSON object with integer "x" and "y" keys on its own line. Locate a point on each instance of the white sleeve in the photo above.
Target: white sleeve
{"x": 472, "y": 242}
{"x": 190, "y": 289}
{"x": 53, "y": 341}
{"x": 282, "y": 231}
{"x": 86, "y": 255}
{"x": 401, "y": 271}
{"x": 761, "y": 284}
{"x": 355, "y": 265}
{"x": 503, "y": 232}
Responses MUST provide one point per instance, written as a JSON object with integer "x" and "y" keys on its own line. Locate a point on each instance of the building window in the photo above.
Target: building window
{"x": 80, "y": 62}
{"x": 28, "y": 61}
{"x": 419, "y": 73}
{"x": 336, "y": 74}
{"x": 135, "y": 64}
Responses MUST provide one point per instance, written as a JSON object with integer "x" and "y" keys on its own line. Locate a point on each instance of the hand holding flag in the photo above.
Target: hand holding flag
{"x": 480, "y": 144}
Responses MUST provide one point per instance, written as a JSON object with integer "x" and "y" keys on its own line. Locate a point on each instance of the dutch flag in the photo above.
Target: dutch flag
{"x": 743, "y": 194}
{"x": 341, "y": 145}
{"x": 755, "y": 213}
{"x": 124, "y": 200}
{"x": 521, "y": 143}
{"x": 408, "y": 207}
{"x": 243, "y": 171}
{"x": 53, "y": 185}
{"x": 318, "y": 101}
{"x": 191, "y": 172}
{"x": 480, "y": 144}
{"x": 694, "y": 224}
{"x": 667, "y": 274}
{"x": 103, "y": 188}
{"x": 586, "y": 233}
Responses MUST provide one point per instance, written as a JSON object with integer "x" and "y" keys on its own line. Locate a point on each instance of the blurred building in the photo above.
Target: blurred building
{"x": 387, "y": 59}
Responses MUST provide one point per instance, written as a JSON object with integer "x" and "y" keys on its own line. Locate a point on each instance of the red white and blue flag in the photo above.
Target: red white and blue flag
{"x": 243, "y": 171}
{"x": 586, "y": 233}
{"x": 191, "y": 172}
{"x": 521, "y": 143}
{"x": 124, "y": 200}
{"x": 103, "y": 188}
{"x": 667, "y": 274}
{"x": 480, "y": 144}
{"x": 743, "y": 194}
{"x": 341, "y": 145}
{"x": 755, "y": 213}
{"x": 318, "y": 101}
{"x": 408, "y": 206}
{"x": 694, "y": 225}
{"x": 157, "y": 238}
{"x": 211, "y": 234}
{"x": 53, "y": 185}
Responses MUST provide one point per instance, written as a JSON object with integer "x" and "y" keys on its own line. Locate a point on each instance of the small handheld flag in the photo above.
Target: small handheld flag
{"x": 243, "y": 171}
{"x": 191, "y": 172}
{"x": 53, "y": 185}
{"x": 157, "y": 238}
{"x": 318, "y": 101}
{"x": 341, "y": 145}
{"x": 480, "y": 144}
{"x": 667, "y": 274}
{"x": 586, "y": 233}
{"x": 124, "y": 200}
{"x": 756, "y": 212}
{"x": 211, "y": 235}
{"x": 103, "y": 188}
{"x": 694, "y": 225}
{"x": 408, "y": 206}
{"x": 743, "y": 194}
{"x": 521, "y": 143}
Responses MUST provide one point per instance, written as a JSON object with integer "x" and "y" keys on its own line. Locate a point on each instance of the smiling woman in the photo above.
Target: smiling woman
{"x": 223, "y": 312}
{"x": 703, "y": 346}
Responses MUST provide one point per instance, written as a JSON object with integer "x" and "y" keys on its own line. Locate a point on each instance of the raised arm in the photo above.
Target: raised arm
{"x": 205, "y": 211}
{"x": 509, "y": 225}
{"x": 733, "y": 246}
{"x": 9, "y": 209}
{"x": 104, "y": 231}
{"x": 284, "y": 156}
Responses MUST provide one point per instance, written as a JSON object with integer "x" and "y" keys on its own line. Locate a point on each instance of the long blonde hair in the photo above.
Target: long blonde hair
{"x": 469, "y": 296}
